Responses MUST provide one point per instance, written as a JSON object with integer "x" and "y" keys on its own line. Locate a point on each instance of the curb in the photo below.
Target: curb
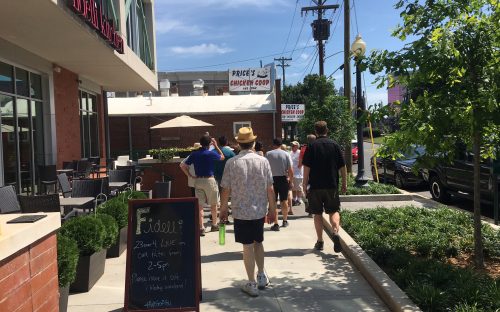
{"x": 388, "y": 291}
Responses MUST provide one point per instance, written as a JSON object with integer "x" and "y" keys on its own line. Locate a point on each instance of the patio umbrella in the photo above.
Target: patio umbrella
{"x": 182, "y": 122}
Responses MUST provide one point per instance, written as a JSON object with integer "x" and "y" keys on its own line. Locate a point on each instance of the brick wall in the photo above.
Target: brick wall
{"x": 28, "y": 279}
{"x": 67, "y": 116}
{"x": 262, "y": 123}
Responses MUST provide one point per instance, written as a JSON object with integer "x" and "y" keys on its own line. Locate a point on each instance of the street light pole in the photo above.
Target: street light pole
{"x": 358, "y": 48}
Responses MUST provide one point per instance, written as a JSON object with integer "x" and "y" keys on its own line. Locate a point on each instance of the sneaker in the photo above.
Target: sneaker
{"x": 214, "y": 228}
{"x": 202, "y": 232}
{"x": 284, "y": 224}
{"x": 318, "y": 245}
{"x": 251, "y": 289}
{"x": 337, "y": 247}
{"x": 262, "y": 280}
{"x": 275, "y": 227}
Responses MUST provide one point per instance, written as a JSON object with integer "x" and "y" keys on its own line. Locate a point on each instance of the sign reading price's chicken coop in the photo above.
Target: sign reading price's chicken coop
{"x": 163, "y": 256}
{"x": 250, "y": 79}
{"x": 292, "y": 112}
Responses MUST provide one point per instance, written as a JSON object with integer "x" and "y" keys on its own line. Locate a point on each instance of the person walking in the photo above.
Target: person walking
{"x": 297, "y": 174}
{"x": 219, "y": 165}
{"x": 206, "y": 188}
{"x": 248, "y": 180}
{"x": 323, "y": 161}
{"x": 281, "y": 168}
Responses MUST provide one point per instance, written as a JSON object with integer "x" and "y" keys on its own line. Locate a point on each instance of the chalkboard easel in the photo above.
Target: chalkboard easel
{"x": 163, "y": 271}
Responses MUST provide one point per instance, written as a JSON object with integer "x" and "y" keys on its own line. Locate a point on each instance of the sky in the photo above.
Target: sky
{"x": 194, "y": 35}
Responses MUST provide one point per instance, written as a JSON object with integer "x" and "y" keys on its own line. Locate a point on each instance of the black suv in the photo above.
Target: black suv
{"x": 457, "y": 179}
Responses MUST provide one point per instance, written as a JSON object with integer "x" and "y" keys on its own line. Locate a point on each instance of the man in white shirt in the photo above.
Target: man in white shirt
{"x": 248, "y": 179}
{"x": 297, "y": 174}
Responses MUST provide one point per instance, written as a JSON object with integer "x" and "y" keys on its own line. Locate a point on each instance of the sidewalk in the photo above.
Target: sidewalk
{"x": 301, "y": 279}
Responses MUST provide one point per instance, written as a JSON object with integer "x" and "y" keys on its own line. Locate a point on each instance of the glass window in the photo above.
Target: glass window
{"x": 22, "y": 83}
{"x": 6, "y": 84}
{"x": 35, "y": 86}
{"x": 8, "y": 139}
{"x": 89, "y": 125}
{"x": 240, "y": 124}
{"x": 25, "y": 150}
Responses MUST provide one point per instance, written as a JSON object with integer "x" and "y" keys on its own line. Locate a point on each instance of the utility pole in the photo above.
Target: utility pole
{"x": 282, "y": 64}
{"x": 321, "y": 28}
{"x": 347, "y": 72}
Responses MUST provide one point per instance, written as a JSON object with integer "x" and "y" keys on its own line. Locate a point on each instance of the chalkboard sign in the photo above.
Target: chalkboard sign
{"x": 163, "y": 255}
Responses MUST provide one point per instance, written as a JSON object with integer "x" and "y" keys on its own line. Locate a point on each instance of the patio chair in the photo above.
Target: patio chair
{"x": 8, "y": 200}
{"x": 64, "y": 184}
{"x": 47, "y": 176}
{"x": 123, "y": 160}
{"x": 133, "y": 176}
{"x": 39, "y": 203}
{"x": 83, "y": 169}
{"x": 88, "y": 188}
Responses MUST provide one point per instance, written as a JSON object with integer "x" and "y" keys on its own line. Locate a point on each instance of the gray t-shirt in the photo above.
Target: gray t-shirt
{"x": 279, "y": 161}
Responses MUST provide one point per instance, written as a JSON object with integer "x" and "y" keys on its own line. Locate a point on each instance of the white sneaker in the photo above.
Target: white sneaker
{"x": 262, "y": 280}
{"x": 251, "y": 289}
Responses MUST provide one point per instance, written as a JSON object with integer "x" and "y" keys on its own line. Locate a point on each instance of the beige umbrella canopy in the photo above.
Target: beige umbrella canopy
{"x": 182, "y": 122}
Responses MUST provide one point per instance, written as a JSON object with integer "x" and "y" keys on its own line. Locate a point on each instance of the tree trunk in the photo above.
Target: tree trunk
{"x": 478, "y": 243}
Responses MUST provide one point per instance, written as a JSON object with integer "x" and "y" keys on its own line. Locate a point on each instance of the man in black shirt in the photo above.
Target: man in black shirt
{"x": 323, "y": 161}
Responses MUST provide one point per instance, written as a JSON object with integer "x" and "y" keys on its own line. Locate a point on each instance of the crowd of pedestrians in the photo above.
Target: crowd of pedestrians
{"x": 253, "y": 182}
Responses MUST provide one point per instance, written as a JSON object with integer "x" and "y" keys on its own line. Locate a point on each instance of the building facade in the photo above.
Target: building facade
{"x": 57, "y": 59}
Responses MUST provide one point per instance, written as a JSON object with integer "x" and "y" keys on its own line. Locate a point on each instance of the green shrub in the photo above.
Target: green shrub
{"x": 372, "y": 188}
{"x": 118, "y": 207}
{"x": 67, "y": 259}
{"x": 410, "y": 244}
{"x": 88, "y": 232}
{"x": 111, "y": 229}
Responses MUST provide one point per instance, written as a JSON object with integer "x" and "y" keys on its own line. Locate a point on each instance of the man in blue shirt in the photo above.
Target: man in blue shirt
{"x": 219, "y": 165}
{"x": 206, "y": 189}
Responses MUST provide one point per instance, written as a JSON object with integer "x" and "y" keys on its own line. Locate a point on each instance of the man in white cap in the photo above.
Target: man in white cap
{"x": 248, "y": 179}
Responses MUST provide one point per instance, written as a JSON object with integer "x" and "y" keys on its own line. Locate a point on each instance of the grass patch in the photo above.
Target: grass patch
{"x": 372, "y": 188}
{"x": 412, "y": 245}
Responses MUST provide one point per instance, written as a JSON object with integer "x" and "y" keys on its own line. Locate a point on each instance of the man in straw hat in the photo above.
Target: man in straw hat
{"x": 248, "y": 179}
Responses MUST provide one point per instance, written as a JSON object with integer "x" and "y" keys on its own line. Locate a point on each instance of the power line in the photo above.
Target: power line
{"x": 355, "y": 15}
{"x": 291, "y": 25}
{"x": 233, "y": 62}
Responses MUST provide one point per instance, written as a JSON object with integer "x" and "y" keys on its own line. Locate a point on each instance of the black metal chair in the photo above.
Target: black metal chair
{"x": 83, "y": 169}
{"x": 39, "y": 203}
{"x": 47, "y": 176}
{"x": 8, "y": 200}
{"x": 87, "y": 188}
{"x": 64, "y": 184}
{"x": 134, "y": 173}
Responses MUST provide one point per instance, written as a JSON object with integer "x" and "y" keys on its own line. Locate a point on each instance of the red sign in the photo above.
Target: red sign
{"x": 91, "y": 12}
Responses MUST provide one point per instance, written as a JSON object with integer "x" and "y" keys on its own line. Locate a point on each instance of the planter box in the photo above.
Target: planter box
{"x": 63, "y": 298}
{"x": 89, "y": 270}
{"x": 119, "y": 246}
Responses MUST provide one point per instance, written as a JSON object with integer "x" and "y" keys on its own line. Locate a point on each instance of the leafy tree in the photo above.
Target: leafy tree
{"x": 322, "y": 103}
{"x": 451, "y": 67}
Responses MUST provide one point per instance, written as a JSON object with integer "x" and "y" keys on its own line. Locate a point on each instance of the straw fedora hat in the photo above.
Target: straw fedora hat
{"x": 245, "y": 135}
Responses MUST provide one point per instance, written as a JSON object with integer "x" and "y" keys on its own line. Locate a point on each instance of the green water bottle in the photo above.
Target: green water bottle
{"x": 222, "y": 234}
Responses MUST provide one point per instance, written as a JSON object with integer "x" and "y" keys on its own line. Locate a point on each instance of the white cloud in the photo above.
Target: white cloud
{"x": 164, "y": 26}
{"x": 304, "y": 56}
{"x": 201, "y": 49}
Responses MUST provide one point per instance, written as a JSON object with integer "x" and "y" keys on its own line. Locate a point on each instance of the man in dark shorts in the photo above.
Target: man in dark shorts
{"x": 281, "y": 166}
{"x": 247, "y": 178}
{"x": 323, "y": 161}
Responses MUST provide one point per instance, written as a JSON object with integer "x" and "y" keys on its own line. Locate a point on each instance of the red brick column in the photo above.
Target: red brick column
{"x": 28, "y": 279}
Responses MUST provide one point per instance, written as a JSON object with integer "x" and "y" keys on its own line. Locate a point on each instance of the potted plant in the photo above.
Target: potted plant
{"x": 67, "y": 260}
{"x": 118, "y": 209}
{"x": 89, "y": 234}
{"x": 111, "y": 230}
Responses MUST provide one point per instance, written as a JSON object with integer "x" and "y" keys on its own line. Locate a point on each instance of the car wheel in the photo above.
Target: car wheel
{"x": 399, "y": 180}
{"x": 437, "y": 189}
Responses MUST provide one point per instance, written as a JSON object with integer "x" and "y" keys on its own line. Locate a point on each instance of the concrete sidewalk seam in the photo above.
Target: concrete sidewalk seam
{"x": 389, "y": 292}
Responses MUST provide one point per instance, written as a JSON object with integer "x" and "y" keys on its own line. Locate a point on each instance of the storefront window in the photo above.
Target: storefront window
{"x": 89, "y": 127}
{"x": 22, "y": 128}
{"x": 6, "y": 81}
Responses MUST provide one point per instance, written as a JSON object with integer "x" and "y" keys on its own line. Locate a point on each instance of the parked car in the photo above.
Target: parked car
{"x": 457, "y": 178}
{"x": 354, "y": 151}
{"x": 399, "y": 171}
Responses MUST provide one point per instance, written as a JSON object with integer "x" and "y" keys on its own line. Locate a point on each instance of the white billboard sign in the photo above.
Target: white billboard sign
{"x": 292, "y": 112}
{"x": 250, "y": 79}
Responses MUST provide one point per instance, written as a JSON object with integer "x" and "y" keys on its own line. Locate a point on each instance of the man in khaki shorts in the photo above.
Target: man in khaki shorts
{"x": 206, "y": 189}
